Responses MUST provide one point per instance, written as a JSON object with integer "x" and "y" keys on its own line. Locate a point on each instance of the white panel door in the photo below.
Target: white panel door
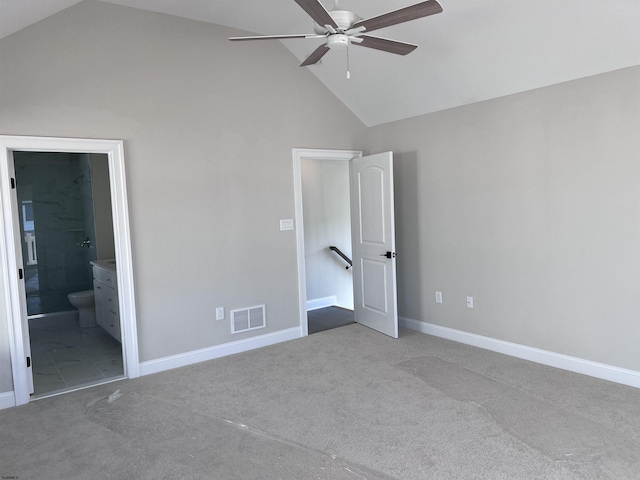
{"x": 20, "y": 305}
{"x": 373, "y": 239}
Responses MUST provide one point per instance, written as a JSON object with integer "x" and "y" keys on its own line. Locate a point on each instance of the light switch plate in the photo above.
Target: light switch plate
{"x": 220, "y": 313}
{"x": 469, "y": 302}
{"x": 286, "y": 224}
{"x": 438, "y": 297}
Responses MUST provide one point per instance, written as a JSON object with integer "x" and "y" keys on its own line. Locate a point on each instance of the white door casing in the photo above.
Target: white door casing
{"x": 11, "y": 254}
{"x": 373, "y": 239}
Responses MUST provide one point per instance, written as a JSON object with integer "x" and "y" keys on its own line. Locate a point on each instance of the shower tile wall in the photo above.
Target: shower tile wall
{"x": 59, "y": 187}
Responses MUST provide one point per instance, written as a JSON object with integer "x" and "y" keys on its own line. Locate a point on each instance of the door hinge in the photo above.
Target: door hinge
{"x": 13, "y": 183}
{"x": 28, "y": 362}
{"x": 20, "y": 273}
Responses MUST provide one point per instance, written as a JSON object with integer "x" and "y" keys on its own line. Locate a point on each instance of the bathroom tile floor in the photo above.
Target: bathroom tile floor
{"x": 66, "y": 357}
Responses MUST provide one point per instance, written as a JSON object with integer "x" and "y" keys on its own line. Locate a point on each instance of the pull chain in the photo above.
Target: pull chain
{"x": 348, "y": 72}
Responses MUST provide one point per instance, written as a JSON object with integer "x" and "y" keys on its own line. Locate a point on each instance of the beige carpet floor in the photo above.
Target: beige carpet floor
{"x": 347, "y": 403}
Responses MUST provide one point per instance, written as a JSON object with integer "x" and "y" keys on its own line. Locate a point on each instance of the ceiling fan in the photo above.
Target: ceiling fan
{"x": 340, "y": 28}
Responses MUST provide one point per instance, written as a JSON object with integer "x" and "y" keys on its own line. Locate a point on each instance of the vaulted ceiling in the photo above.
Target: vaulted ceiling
{"x": 475, "y": 50}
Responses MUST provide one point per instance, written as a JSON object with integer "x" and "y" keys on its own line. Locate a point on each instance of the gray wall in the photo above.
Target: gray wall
{"x": 327, "y": 221}
{"x": 208, "y": 127}
{"x": 531, "y": 204}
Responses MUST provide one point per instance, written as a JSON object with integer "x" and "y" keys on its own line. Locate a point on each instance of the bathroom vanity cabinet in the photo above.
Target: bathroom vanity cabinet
{"x": 105, "y": 287}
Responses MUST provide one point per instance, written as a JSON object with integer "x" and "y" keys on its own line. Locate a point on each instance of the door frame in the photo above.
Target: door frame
{"x": 11, "y": 253}
{"x": 298, "y": 155}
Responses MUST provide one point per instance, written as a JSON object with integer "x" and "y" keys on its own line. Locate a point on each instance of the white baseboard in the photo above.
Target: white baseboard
{"x": 552, "y": 359}
{"x": 197, "y": 356}
{"x": 7, "y": 400}
{"x": 323, "y": 302}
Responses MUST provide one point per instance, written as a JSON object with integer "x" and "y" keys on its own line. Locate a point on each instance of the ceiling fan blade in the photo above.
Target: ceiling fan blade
{"x": 419, "y": 10}
{"x": 317, "y": 54}
{"x": 317, "y": 11}
{"x": 276, "y": 37}
{"x": 391, "y": 46}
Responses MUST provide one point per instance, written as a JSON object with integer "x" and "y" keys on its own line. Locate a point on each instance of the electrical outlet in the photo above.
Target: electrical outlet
{"x": 220, "y": 313}
{"x": 469, "y": 302}
{"x": 438, "y": 297}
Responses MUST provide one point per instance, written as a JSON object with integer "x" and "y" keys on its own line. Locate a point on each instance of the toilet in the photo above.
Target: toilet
{"x": 85, "y": 303}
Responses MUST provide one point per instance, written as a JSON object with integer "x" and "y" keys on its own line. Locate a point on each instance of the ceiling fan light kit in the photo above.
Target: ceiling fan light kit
{"x": 340, "y": 28}
{"x": 338, "y": 40}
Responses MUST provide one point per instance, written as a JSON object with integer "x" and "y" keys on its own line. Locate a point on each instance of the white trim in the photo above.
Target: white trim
{"x": 7, "y": 400}
{"x": 298, "y": 155}
{"x": 544, "y": 357}
{"x": 11, "y": 288}
{"x": 324, "y": 302}
{"x": 211, "y": 353}
{"x": 11, "y": 258}
{"x": 124, "y": 261}
{"x": 78, "y": 387}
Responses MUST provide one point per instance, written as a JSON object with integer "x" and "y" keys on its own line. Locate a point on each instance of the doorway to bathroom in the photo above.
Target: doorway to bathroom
{"x": 66, "y": 231}
{"x": 41, "y": 259}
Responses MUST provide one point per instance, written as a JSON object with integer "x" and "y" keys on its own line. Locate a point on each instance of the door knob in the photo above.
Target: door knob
{"x": 388, "y": 254}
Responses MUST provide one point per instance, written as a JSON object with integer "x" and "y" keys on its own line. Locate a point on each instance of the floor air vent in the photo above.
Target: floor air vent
{"x": 245, "y": 319}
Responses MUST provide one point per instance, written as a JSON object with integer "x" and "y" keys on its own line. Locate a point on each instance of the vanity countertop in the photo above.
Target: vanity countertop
{"x": 109, "y": 265}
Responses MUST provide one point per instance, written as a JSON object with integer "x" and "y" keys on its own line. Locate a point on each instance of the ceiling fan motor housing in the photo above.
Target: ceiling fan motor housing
{"x": 343, "y": 18}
